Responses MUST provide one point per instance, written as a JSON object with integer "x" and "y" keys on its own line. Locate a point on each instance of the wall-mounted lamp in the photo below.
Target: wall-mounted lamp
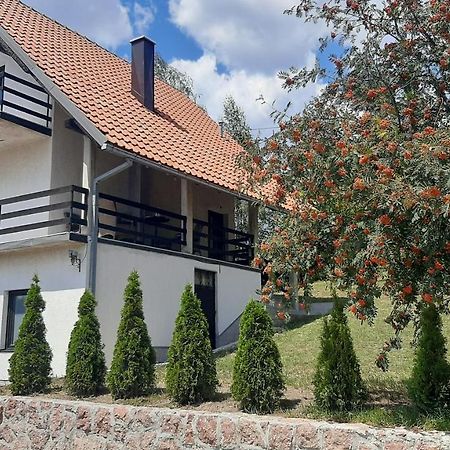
{"x": 75, "y": 260}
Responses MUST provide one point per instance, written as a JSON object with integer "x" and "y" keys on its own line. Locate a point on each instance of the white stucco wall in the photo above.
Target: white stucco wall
{"x": 25, "y": 169}
{"x": 62, "y": 286}
{"x": 207, "y": 198}
{"x": 161, "y": 190}
{"x": 163, "y": 278}
{"x": 25, "y": 164}
{"x": 67, "y": 153}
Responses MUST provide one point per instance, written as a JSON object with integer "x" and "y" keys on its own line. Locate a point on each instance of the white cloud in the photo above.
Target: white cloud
{"x": 104, "y": 21}
{"x": 245, "y": 87}
{"x": 250, "y": 34}
{"x": 254, "y": 40}
{"x": 143, "y": 16}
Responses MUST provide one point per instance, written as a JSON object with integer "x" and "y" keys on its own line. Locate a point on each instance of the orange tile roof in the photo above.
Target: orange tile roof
{"x": 180, "y": 135}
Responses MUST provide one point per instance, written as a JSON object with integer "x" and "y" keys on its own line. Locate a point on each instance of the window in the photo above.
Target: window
{"x": 16, "y": 311}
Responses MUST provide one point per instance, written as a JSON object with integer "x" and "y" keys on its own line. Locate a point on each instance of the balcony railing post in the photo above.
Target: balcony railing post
{"x": 2, "y": 85}
{"x": 71, "y": 208}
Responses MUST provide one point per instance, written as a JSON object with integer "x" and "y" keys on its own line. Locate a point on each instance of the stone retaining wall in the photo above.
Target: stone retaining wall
{"x": 28, "y": 423}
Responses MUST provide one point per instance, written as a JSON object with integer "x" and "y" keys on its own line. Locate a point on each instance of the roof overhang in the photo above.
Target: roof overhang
{"x": 108, "y": 147}
{"x": 24, "y": 60}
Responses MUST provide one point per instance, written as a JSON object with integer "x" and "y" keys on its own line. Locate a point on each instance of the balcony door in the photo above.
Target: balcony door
{"x": 216, "y": 235}
{"x": 205, "y": 290}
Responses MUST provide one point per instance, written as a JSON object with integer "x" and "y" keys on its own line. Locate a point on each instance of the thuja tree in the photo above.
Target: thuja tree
{"x": 132, "y": 372}
{"x": 257, "y": 375}
{"x": 338, "y": 385}
{"x": 30, "y": 364}
{"x": 363, "y": 170}
{"x": 85, "y": 368}
{"x": 191, "y": 370}
{"x": 430, "y": 381}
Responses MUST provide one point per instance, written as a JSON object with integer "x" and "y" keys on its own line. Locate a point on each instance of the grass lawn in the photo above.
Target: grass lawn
{"x": 388, "y": 405}
{"x": 299, "y": 347}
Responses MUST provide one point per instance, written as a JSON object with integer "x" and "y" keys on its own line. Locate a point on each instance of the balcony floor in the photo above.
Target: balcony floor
{"x": 50, "y": 240}
{"x": 13, "y": 135}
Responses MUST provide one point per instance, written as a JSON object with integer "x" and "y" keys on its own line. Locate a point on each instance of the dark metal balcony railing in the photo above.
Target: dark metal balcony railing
{"x": 61, "y": 209}
{"x": 129, "y": 221}
{"x": 225, "y": 244}
{"x": 65, "y": 209}
{"x": 24, "y": 103}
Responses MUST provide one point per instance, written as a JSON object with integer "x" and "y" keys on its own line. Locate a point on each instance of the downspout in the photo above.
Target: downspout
{"x": 93, "y": 238}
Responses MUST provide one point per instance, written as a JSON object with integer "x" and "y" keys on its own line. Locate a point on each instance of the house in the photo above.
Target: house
{"x": 105, "y": 169}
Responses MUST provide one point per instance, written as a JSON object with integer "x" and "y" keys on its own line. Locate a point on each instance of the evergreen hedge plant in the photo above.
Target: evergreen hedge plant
{"x": 257, "y": 375}
{"x": 30, "y": 364}
{"x": 338, "y": 385}
{"x": 191, "y": 371}
{"x": 132, "y": 372}
{"x": 85, "y": 367}
{"x": 428, "y": 386}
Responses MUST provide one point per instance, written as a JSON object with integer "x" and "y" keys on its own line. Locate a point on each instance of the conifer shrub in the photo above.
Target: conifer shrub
{"x": 191, "y": 371}
{"x": 258, "y": 383}
{"x": 85, "y": 367}
{"x": 132, "y": 372}
{"x": 338, "y": 385}
{"x": 30, "y": 364}
{"x": 428, "y": 386}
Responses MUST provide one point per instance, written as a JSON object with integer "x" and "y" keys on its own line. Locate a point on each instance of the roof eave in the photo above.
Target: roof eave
{"x": 84, "y": 123}
{"x": 111, "y": 148}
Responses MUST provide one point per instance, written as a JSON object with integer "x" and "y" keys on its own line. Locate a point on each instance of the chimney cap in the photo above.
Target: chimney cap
{"x": 142, "y": 38}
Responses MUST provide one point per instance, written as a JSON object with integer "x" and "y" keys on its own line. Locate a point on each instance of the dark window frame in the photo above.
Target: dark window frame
{"x": 9, "y": 334}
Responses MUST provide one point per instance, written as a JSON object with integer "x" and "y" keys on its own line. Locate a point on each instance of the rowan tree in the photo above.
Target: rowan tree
{"x": 364, "y": 169}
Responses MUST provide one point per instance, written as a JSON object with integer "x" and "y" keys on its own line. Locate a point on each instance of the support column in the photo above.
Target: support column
{"x": 188, "y": 211}
{"x": 253, "y": 225}
{"x": 134, "y": 183}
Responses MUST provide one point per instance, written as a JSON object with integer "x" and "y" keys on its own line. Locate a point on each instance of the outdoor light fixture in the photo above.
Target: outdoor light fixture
{"x": 75, "y": 260}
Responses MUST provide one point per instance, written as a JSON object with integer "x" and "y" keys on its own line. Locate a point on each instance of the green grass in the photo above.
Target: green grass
{"x": 389, "y": 404}
{"x": 300, "y": 347}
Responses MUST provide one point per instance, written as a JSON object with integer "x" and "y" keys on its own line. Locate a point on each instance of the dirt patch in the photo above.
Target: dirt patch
{"x": 293, "y": 399}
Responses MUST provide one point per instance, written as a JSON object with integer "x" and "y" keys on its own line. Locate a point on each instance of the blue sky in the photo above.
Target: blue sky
{"x": 171, "y": 41}
{"x": 228, "y": 47}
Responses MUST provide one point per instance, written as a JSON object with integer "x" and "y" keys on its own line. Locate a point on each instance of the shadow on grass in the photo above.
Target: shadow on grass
{"x": 289, "y": 404}
{"x": 387, "y": 391}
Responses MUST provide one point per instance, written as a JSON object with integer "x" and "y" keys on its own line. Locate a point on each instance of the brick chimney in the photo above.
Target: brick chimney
{"x": 143, "y": 71}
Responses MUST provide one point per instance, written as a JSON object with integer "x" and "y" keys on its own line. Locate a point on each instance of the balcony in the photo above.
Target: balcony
{"x": 137, "y": 223}
{"x": 24, "y": 103}
{"x": 65, "y": 210}
{"x": 43, "y": 213}
{"x": 225, "y": 244}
